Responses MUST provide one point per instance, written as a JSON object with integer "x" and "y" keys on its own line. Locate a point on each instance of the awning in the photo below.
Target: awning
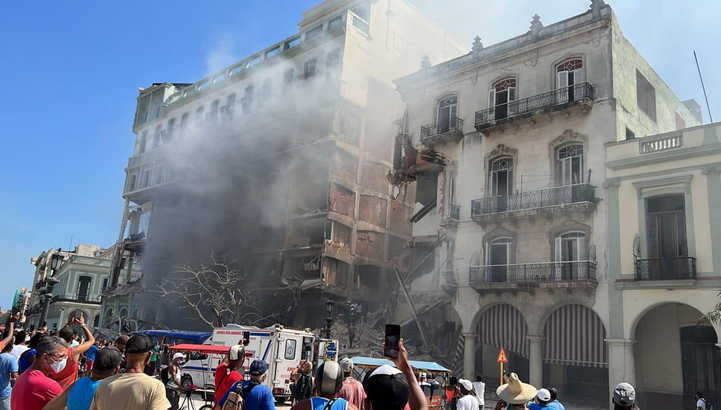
{"x": 207, "y": 349}
{"x": 377, "y": 362}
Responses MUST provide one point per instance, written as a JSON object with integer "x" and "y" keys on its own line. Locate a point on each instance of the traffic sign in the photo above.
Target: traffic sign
{"x": 502, "y": 357}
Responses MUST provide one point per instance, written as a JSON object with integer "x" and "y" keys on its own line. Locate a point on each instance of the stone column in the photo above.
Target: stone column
{"x": 536, "y": 361}
{"x": 621, "y": 367}
{"x": 469, "y": 356}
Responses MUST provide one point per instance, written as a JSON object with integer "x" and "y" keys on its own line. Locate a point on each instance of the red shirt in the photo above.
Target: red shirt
{"x": 352, "y": 390}
{"x": 224, "y": 380}
{"x": 33, "y": 391}
{"x": 69, "y": 374}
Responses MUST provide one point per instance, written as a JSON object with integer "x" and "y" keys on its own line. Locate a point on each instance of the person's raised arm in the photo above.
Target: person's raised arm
{"x": 416, "y": 398}
{"x": 11, "y": 333}
{"x": 89, "y": 338}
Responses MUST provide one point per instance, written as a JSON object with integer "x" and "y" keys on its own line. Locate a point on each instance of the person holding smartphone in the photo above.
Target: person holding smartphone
{"x": 394, "y": 388}
{"x": 68, "y": 372}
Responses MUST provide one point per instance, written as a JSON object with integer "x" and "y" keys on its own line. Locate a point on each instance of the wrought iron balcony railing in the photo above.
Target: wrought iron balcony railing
{"x": 439, "y": 133}
{"x": 533, "y": 273}
{"x": 556, "y": 99}
{"x": 674, "y": 268}
{"x": 543, "y": 198}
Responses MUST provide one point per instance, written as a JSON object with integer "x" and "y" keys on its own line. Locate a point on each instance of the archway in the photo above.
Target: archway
{"x": 575, "y": 354}
{"x": 502, "y": 326}
{"x": 676, "y": 356}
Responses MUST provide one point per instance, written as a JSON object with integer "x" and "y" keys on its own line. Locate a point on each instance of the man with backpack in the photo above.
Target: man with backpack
{"x": 229, "y": 372}
{"x": 250, "y": 394}
{"x": 328, "y": 382}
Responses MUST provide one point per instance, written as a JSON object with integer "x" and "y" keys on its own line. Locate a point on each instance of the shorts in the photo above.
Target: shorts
{"x": 89, "y": 365}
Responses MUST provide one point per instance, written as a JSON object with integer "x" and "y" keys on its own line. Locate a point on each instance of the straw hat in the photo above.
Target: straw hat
{"x": 516, "y": 392}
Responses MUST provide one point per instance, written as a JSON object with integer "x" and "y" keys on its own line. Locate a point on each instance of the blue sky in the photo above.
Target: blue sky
{"x": 71, "y": 72}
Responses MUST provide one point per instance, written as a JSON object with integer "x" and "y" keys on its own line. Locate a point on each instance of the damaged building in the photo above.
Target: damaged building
{"x": 506, "y": 148}
{"x": 280, "y": 163}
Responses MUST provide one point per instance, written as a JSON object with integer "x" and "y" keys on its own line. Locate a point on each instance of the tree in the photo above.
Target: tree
{"x": 715, "y": 315}
{"x": 216, "y": 292}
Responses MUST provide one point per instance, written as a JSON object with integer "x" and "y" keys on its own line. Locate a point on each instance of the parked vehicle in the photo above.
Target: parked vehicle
{"x": 283, "y": 349}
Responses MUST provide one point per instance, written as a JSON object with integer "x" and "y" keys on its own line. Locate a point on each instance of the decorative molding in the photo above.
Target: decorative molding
{"x": 712, "y": 170}
{"x": 502, "y": 151}
{"x": 664, "y": 156}
{"x": 664, "y": 182}
{"x": 569, "y": 136}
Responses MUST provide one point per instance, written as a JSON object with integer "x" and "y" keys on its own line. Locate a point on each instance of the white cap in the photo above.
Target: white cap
{"x": 466, "y": 384}
{"x": 346, "y": 364}
{"x": 385, "y": 370}
{"x": 237, "y": 352}
{"x": 544, "y": 395}
{"x": 178, "y": 356}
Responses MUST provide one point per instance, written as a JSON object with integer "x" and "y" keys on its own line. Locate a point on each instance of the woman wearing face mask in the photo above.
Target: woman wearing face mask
{"x": 67, "y": 375}
{"x": 34, "y": 389}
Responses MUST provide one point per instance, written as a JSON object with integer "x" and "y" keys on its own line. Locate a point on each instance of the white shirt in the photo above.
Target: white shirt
{"x": 18, "y": 350}
{"x": 701, "y": 404}
{"x": 480, "y": 389}
{"x": 468, "y": 402}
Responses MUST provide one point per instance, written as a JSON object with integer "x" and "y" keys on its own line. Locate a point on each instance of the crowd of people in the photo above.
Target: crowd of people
{"x": 72, "y": 370}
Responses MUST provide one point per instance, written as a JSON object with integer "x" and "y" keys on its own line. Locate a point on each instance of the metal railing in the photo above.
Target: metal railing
{"x": 435, "y": 133}
{"x": 673, "y": 268}
{"x": 526, "y": 106}
{"x": 533, "y": 272}
{"x": 542, "y": 198}
{"x": 660, "y": 144}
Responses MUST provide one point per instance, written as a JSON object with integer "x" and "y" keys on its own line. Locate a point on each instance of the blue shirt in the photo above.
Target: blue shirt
{"x": 90, "y": 353}
{"x": 259, "y": 398}
{"x": 554, "y": 405}
{"x": 8, "y": 365}
{"x": 81, "y": 394}
{"x": 318, "y": 403}
{"x": 25, "y": 360}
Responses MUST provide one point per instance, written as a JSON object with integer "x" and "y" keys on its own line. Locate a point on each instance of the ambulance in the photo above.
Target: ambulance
{"x": 283, "y": 349}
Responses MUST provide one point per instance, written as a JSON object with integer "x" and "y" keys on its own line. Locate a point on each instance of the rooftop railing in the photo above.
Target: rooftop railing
{"x": 533, "y": 272}
{"x": 557, "y": 99}
{"x": 672, "y": 268}
{"x": 651, "y": 145}
{"x": 438, "y": 133}
{"x": 543, "y": 198}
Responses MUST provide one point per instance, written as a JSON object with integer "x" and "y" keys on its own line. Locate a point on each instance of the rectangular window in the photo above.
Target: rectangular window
{"x": 132, "y": 182}
{"x": 335, "y": 24}
{"x": 314, "y": 33}
{"x": 290, "y": 348}
{"x": 645, "y": 96}
{"x": 105, "y": 283}
{"x": 146, "y": 179}
{"x": 311, "y": 68}
{"x": 272, "y": 52}
{"x": 292, "y": 43}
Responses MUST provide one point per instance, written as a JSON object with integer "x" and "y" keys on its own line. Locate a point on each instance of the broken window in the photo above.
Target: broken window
{"x": 645, "y": 96}
{"x": 311, "y": 67}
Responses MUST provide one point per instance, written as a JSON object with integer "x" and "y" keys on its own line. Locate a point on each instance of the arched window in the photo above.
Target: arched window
{"x": 501, "y": 94}
{"x": 569, "y": 165}
{"x": 498, "y": 257}
{"x": 568, "y": 74}
{"x": 570, "y": 253}
{"x": 447, "y": 113}
{"x": 500, "y": 183}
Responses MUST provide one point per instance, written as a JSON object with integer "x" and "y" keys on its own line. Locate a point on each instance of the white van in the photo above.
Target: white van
{"x": 281, "y": 348}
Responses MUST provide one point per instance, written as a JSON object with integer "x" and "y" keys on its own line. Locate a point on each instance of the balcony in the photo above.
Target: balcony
{"x": 440, "y": 134}
{"x": 674, "y": 268}
{"x": 531, "y": 275}
{"x": 555, "y": 100}
{"x": 94, "y": 299}
{"x": 580, "y": 195}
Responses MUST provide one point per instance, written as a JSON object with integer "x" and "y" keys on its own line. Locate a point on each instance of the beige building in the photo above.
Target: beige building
{"x": 664, "y": 255}
{"x": 279, "y": 161}
{"x": 67, "y": 283}
{"x": 506, "y": 146}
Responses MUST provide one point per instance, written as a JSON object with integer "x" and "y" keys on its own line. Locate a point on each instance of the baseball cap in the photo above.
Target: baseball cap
{"x": 258, "y": 367}
{"x": 466, "y": 384}
{"x": 178, "y": 356}
{"x": 107, "y": 359}
{"x": 624, "y": 395}
{"x": 346, "y": 364}
{"x": 387, "y": 388}
{"x": 237, "y": 352}
{"x": 544, "y": 395}
{"x": 138, "y": 344}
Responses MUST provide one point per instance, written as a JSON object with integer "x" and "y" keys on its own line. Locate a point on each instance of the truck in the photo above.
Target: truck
{"x": 283, "y": 349}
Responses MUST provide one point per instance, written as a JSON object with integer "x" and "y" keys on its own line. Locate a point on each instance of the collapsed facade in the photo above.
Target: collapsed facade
{"x": 514, "y": 217}
{"x": 279, "y": 163}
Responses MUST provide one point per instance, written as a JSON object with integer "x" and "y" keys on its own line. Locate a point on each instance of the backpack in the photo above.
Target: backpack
{"x": 236, "y": 397}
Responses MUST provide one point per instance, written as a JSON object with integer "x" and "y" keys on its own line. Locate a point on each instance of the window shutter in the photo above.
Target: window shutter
{"x": 558, "y": 257}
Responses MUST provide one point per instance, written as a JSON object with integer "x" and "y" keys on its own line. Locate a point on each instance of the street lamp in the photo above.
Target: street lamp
{"x": 329, "y": 306}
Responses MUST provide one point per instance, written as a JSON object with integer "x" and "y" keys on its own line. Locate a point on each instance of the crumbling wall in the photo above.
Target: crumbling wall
{"x": 370, "y": 245}
{"x": 342, "y": 200}
{"x": 374, "y": 177}
{"x": 344, "y": 166}
{"x": 372, "y": 209}
{"x": 400, "y": 215}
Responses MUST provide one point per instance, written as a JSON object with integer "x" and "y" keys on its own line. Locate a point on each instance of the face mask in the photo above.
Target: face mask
{"x": 59, "y": 366}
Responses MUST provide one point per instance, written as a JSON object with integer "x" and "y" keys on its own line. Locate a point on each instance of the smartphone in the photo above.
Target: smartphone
{"x": 391, "y": 344}
{"x": 246, "y": 338}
